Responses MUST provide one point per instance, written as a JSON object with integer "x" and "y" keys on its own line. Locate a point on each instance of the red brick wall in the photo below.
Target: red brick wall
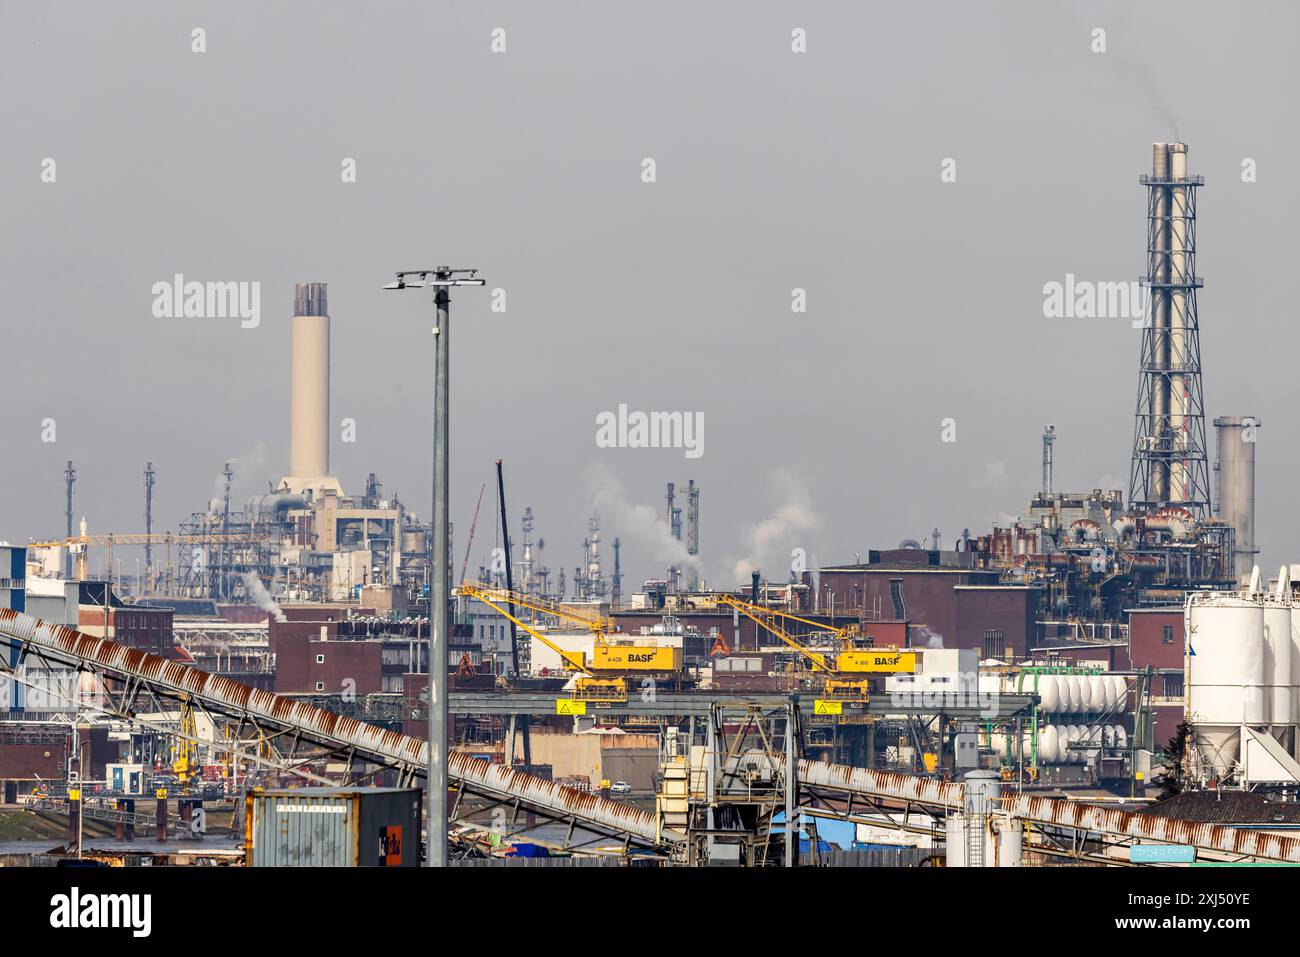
{"x": 28, "y": 761}
{"x": 148, "y": 629}
{"x": 928, "y": 595}
{"x": 298, "y": 671}
{"x": 1147, "y": 645}
{"x": 1009, "y": 610}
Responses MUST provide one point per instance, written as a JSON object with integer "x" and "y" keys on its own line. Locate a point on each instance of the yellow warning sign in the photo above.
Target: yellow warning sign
{"x": 570, "y": 707}
{"x": 162, "y": 794}
{"x": 821, "y": 706}
{"x": 74, "y": 794}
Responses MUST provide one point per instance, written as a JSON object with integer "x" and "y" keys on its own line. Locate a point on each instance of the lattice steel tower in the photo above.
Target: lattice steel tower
{"x": 1170, "y": 466}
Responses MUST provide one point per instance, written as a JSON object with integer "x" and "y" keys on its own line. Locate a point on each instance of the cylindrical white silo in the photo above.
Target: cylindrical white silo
{"x": 1225, "y": 680}
{"x": 1007, "y": 831}
{"x": 1277, "y": 664}
{"x": 1295, "y": 680}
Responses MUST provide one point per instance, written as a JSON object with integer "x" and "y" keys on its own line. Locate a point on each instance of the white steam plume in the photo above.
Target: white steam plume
{"x": 641, "y": 526}
{"x": 241, "y": 467}
{"x": 771, "y": 542}
{"x": 261, "y": 597}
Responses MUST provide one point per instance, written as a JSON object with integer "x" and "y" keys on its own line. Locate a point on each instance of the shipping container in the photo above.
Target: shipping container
{"x": 332, "y": 827}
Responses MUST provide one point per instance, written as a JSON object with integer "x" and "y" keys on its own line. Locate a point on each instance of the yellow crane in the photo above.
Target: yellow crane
{"x": 186, "y": 752}
{"x": 846, "y": 658}
{"x": 605, "y": 677}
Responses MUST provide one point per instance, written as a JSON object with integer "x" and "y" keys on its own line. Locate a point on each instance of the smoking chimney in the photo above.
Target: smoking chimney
{"x": 309, "y": 404}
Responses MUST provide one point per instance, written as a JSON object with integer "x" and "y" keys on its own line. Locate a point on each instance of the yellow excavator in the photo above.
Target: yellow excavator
{"x": 846, "y": 658}
{"x": 604, "y": 678}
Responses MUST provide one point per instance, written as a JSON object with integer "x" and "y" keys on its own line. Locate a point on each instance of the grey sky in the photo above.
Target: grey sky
{"x": 775, "y": 171}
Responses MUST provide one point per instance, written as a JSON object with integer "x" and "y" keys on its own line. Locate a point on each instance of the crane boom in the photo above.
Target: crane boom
{"x": 600, "y": 627}
{"x": 573, "y": 658}
{"x": 766, "y": 618}
{"x": 472, "y": 525}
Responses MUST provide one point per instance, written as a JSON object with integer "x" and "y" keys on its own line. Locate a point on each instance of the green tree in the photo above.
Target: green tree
{"x": 1173, "y": 780}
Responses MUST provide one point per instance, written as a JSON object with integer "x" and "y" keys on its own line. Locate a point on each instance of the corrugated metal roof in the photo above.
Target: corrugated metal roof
{"x": 1227, "y": 807}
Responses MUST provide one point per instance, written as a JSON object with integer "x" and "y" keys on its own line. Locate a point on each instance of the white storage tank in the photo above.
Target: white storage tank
{"x": 1048, "y": 752}
{"x": 1093, "y": 736}
{"x": 1049, "y": 694}
{"x": 1068, "y": 736}
{"x": 1277, "y": 663}
{"x": 1119, "y": 691}
{"x": 1295, "y": 679}
{"x": 1085, "y": 693}
{"x": 1225, "y": 674}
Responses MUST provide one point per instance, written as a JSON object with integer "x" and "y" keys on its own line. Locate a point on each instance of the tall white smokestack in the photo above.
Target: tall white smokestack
{"x": 309, "y": 404}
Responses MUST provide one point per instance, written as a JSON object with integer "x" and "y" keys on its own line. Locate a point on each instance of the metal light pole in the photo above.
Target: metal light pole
{"x": 443, "y": 277}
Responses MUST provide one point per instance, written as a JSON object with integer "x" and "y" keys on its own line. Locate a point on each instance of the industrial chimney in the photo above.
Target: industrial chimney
{"x": 309, "y": 404}
{"x": 1169, "y": 465}
{"x": 1236, "y": 473}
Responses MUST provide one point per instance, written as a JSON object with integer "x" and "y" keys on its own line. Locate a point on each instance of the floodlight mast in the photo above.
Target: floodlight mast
{"x": 443, "y": 277}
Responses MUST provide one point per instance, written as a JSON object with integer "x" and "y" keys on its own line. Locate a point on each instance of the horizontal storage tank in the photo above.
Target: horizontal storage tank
{"x": 1048, "y": 751}
{"x": 1086, "y": 702}
{"x": 1119, "y": 691}
{"x": 1225, "y": 674}
{"x": 1048, "y": 693}
{"x": 333, "y": 827}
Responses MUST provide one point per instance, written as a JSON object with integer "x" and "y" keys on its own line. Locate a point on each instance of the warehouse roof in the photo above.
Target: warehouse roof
{"x": 1229, "y": 807}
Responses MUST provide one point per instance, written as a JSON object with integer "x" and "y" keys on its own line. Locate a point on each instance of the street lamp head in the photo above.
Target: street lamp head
{"x": 442, "y": 276}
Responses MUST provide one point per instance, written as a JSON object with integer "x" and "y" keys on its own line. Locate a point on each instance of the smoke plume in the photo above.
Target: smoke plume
{"x": 642, "y": 527}
{"x": 932, "y": 639}
{"x": 261, "y": 597}
{"x": 242, "y": 467}
{"x": 772, "y": 542}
